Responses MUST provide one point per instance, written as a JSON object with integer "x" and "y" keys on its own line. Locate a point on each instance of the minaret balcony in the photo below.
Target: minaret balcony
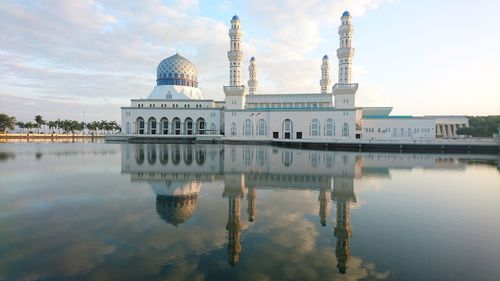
{"x": 345, "y": 52}
{"x": 346, "y": 86}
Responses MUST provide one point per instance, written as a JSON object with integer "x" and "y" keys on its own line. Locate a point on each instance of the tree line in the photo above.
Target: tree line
{"x": 58, "y": 126}
{"x": 481, "y": 126}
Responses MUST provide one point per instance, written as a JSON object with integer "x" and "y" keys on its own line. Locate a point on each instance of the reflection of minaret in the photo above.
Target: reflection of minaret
{"x": 251, "y": 204}
{"x": 323, "y": 206}
{"x": 234, "y": 189}
{"x": 343, "y": 194}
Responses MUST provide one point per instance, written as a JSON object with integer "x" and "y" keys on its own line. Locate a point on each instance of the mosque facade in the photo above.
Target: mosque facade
{"x": 176, "y": 107}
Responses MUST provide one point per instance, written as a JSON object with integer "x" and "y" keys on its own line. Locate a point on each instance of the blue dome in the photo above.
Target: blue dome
{"x": 252, "y": 59}
{"x": 235, "y": 17}
{"x": 325, "y": 57}
{"x": 346, "y": 14}
{"x": 177, "y": 70}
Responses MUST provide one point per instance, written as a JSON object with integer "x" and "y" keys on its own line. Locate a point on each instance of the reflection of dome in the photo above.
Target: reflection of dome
{"x": 176, "y": 200}
{"x": 176, "y": 209}
{"x": 177, "y": 70}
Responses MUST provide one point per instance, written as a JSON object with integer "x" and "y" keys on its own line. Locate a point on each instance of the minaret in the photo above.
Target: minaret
{"x": 252, "y": 80}
{"x": 251, "y": 204}
{"x": 343, "y": 195}
{"x": 323, "y": 205}
{"x": 235, "y": 55}
{"x": 325, "y": 75}
{"x": 235, "y": 92}
{"x": 344, "y": 90}
{"x": 345, "y": 52}
{"x": 234, "y": 188}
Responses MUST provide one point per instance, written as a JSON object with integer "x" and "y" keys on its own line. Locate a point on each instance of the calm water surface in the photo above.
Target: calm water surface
{"x": 88, "y": 211}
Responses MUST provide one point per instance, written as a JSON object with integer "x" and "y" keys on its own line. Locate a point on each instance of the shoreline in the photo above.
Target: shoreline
{"x": 48, "y": 136}
{"x": 474, "y": 146}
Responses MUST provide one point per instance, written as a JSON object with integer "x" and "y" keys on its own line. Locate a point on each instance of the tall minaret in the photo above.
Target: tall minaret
{"x": 343, "y": 195}
{"x": 236, "y": 91}
{"x": 344, "y": 91}
{"x": 235, "y": 54}
{"x": 252, "y": 80}
{"x": 323, "y": 205}
{"x": 345, "y": 52}
{"x": 325, "y": 75}
{"x": 251, "y": 198}
{"x": 234, "y": 188}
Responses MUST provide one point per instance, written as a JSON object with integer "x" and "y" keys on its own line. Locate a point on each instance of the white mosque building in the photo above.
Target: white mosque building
{"x": 176, "y": 107}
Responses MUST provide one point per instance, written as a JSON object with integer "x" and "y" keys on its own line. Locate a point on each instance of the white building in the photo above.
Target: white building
{"x": 176, "y": 105}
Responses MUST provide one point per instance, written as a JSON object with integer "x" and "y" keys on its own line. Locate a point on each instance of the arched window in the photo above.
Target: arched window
{"x": 151, "y": 154}
{"x": 163, "y": 154}
{"x": 176, "y": 123}
{"x": 168, "y": 96}
{"x": 329, "y": 128}
{"x": 314, "y": 128}
{"x": 164, "y": 126}
{"x": 247, "y": 127}
{"x": 139, "y": 154}
{"x": 287, "y": 158}
{"x": 188, "y": 123}
{"x": 200, "y": 156}
{"x": 261, "y": 127}
{"x": 152, "y": 126}
{"x": 200, "y": 126}
{"x": 233, "y": 129}
{"x": 345, "y": 130}
{"x": 287, "y": 129}
{"x": 139, "y": 123}
{"x": 188, "y": 155}
{"x": 176, "y": 155}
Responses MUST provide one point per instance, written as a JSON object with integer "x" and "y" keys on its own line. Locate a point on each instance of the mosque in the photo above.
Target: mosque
{"x": 176, "y": 107}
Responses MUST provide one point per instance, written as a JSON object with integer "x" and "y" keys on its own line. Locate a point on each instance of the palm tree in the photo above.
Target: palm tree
{"x": 21, "y": 125}
{"x": 39, "y": 121}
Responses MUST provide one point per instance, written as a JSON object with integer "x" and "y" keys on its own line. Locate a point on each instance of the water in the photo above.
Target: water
{"x": 87, "y": 211}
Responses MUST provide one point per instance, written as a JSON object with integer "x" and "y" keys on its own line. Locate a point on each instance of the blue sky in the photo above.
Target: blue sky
{"x": 63, "y": 58}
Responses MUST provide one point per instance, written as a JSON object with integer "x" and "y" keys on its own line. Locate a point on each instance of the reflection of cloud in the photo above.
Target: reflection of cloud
{"x": 91, "y": 222}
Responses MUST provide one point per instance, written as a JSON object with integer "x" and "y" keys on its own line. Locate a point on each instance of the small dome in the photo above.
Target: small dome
{"x": 325, "y": 57}
{"x": 235, "y": 17}
{"x": 177, "y": 70}
{"x": 252, "y": 59}
{"x": 346, "y": 14}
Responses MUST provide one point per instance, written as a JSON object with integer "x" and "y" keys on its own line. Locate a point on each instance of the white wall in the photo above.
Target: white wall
{"x": 301, "y": 122}
{"x": 398, "y": 128}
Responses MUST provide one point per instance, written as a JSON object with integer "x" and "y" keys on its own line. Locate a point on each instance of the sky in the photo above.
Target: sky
{"x": 85, "y": 59}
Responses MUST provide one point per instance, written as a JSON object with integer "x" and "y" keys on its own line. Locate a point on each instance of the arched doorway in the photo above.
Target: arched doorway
{"x": 200, "y": 126}
{"x": 287, "y": 129}
{"x": 151, "y": 126}
{"x": 139, "y": 126}
{"x": 176, "y": 123}
{"x": 189, "y": 126}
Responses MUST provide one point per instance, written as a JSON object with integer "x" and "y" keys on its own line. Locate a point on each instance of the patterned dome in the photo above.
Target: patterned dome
{"x": 177, "y": 70}
{"x": 176, "y": 209}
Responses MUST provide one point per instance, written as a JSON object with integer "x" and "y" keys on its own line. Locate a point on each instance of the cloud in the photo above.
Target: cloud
{"x": 109, "y": 50}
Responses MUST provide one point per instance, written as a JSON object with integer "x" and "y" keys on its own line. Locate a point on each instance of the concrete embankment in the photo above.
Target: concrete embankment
{"x": 434, "y": 146}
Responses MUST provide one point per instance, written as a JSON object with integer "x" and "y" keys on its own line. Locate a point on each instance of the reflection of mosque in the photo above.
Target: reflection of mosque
{"x": 176, "y": 172}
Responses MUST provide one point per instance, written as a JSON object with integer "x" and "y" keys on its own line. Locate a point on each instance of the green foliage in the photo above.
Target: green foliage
{"x": 6, "y": 122}
{"x": 64, "y": 126}
{"x": 481, "y": 126}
